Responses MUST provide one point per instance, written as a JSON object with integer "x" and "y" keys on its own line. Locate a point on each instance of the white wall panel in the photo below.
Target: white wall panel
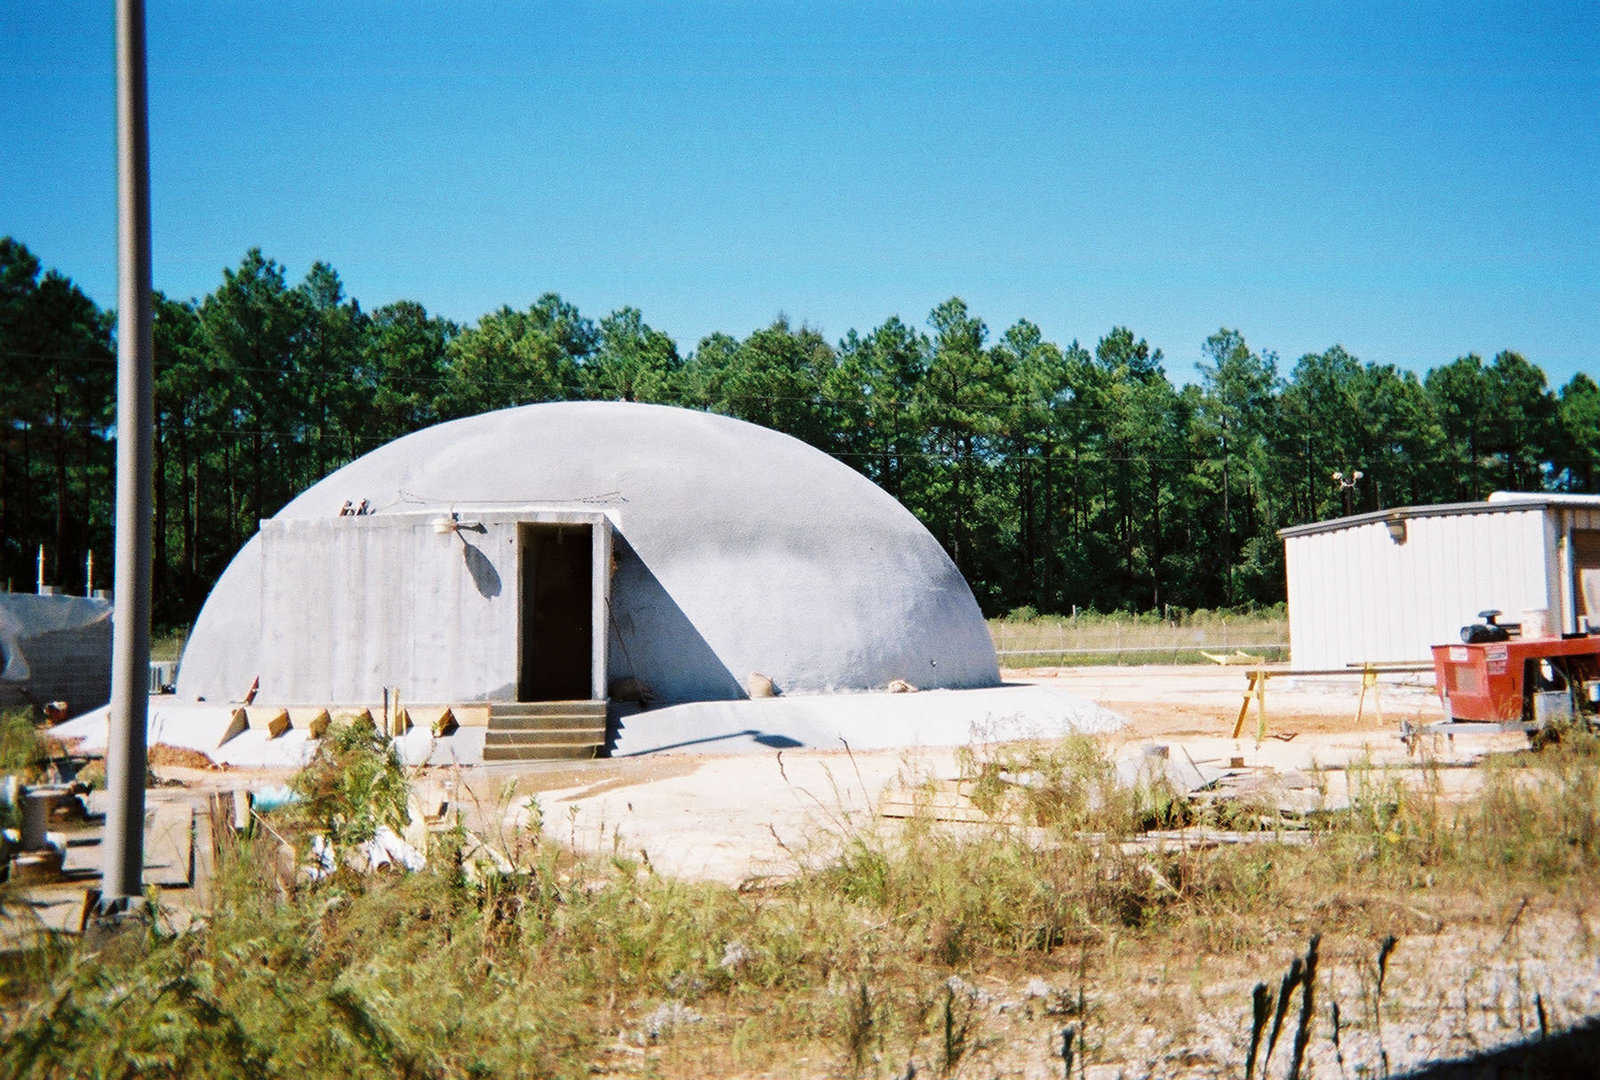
{"x": 396, "y": 606}
{"x": 1357, "y": 596}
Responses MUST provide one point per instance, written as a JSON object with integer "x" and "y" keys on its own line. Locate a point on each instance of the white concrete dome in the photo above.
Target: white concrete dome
{"x": 737, "y": 550}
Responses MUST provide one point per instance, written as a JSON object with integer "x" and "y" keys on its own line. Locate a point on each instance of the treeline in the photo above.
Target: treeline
{"x": 1055, "y": 475}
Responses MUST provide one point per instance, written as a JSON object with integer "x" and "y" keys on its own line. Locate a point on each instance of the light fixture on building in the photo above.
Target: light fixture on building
{"x": 453, "y": 524}
{"x": 1397, "y": 528}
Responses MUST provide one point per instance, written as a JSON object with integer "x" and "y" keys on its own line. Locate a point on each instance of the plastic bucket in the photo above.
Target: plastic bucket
{"x": 1536, "y": 623}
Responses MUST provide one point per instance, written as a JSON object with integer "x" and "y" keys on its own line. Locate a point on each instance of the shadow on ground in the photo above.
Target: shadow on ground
{"x": 1574, "y": 1052}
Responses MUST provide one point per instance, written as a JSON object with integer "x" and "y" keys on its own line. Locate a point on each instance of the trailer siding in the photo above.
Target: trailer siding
{"x": 1357, "y": 596}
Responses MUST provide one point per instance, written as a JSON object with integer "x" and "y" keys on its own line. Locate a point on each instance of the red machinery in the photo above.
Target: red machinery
{"x": 1495, "y": 681}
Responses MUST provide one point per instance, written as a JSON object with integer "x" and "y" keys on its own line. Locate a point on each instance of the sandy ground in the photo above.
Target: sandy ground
{"x": 738, "y": 818}
{"x": 1454, "y": 988}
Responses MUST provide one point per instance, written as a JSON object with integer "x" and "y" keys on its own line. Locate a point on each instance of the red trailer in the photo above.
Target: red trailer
{"x": 1497, "y": 680}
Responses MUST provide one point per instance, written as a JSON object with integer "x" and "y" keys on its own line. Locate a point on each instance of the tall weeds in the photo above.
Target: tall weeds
{"x": 545, "y": 968}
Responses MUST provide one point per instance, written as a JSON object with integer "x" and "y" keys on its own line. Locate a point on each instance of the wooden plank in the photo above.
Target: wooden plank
{"x": 169, "y": 845}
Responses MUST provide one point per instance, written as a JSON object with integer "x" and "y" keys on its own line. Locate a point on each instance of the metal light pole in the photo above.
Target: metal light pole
{"x": 130, "y": 660}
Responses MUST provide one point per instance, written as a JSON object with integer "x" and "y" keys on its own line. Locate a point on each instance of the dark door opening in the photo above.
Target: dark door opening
{"x": 555, "y": 565}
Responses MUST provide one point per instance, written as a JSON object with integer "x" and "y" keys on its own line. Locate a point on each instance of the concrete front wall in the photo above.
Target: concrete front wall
{"x": 1355, "y": 595}
{"x": 351, "y": 606}
{"x": 739, "y": 550}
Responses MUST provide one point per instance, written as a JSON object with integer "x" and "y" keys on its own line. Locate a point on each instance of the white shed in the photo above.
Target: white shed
{"x": 1384, "y": 586}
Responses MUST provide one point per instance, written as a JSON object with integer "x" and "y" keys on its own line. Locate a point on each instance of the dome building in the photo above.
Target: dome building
{"x": 583, "y": 551}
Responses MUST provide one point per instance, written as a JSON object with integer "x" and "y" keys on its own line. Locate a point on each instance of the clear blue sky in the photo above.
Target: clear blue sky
{"x": 1414, "y": 181}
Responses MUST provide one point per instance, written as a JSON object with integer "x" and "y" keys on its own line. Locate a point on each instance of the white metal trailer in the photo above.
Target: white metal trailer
{"x": 1383, "y": 587}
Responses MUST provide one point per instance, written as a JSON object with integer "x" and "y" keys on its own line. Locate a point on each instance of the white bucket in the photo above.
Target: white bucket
{"x": 1536, "y": 623}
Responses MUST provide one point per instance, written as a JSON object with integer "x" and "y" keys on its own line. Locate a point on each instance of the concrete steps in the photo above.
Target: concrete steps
{"x": 544, "y": 730}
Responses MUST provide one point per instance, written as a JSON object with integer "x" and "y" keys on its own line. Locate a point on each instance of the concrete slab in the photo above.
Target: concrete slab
{"x": 733, "y": 807}
{"x": 763, "y": 813}
{"x": 865, "y": 721}
{"x": 201, "y": 725}
{"x": 826, "y": 721}
{"x": 175, "y": 836}
{"x": 169, "y": 833}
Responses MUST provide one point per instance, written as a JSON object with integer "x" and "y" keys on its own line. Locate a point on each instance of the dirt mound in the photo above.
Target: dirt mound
{"x": 180, "y": 756}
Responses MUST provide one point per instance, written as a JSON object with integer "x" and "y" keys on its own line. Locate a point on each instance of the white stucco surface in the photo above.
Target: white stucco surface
{"x": 738, "y": 550}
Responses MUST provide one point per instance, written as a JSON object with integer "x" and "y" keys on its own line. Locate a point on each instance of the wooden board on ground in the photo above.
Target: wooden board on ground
{"x": 35, "y": 913}
{"x": 940, "y": 800}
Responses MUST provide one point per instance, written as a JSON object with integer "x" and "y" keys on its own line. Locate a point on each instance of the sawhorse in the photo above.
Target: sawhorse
{"x": 1256, "y": 690}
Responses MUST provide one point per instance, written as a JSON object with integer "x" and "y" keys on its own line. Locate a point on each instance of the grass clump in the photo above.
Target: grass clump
{"x": 1535, "y": 818}
{"x": 353, "y": 784}
{"x": 25, "y": 749}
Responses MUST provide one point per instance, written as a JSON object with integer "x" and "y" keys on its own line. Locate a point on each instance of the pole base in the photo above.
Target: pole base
{"x": 106, "y": 918}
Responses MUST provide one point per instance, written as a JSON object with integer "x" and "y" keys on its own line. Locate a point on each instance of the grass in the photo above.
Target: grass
{"x": 25, "y": 749}
{"x": 1028, "y": 639}
{"x": 569, "y": 965}
{"x": 25, "y": 752}
{"x": 1061, "y": 640}
{"x": 168, "y": 644}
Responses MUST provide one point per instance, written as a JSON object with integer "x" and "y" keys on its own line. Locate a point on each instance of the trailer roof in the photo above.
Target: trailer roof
{"x": 1498, "y": 502}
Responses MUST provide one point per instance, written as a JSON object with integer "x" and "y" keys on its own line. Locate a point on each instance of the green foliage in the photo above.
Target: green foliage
{"x": 352, "y": 785}
{"x": 516, "y": 357}
{"x": 1577, "y": 457}
{"x": 56, "y": 376}
{"x": 25, "y": 751}
{"x": 632, "y": 361}
{"x": 1057, "y": 476}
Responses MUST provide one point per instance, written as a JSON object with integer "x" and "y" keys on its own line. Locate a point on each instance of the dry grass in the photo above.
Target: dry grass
{"x": 168, "y": 644}
{"x": 1026, "y": 639}
{"x": 975, "y": 951}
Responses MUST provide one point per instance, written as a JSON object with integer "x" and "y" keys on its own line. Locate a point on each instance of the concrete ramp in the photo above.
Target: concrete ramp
{"x": 864, "y": 721}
